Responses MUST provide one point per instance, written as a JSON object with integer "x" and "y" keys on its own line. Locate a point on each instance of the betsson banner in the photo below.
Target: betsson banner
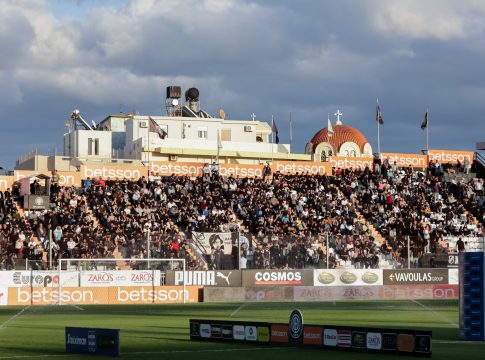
{"x": 112, "y": 295}
{"x": 450, "y": 156}
{"x": 405, "y": 160}
{"x": 6, "y": 183}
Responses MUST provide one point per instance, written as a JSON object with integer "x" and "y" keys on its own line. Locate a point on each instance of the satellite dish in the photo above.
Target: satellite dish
{"x": 175, "y": 102}
{"x": 222, "y": 114}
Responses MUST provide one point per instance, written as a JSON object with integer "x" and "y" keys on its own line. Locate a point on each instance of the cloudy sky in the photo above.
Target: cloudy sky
{"x": 276, "y": 57}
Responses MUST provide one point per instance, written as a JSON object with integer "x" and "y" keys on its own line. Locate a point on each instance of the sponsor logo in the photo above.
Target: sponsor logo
{"x": 101, "y": 277}
{"x": 278, "y": 278}
{"x": 374, "y": 341}
{"x": 405, "y": 343}
{"x": 251, "y": 333}
{"x": 438, "y": 276}
{"x": 205, "y": 331}
{"x": 358, "y": 339}
{"x": 370, "y": 277}
{"x": 20, "y": 278}
{"x": 348, "y": 278}
{"x": 194, "y": 329}
{"x": 216, "y": 331}
{"x": 76, "y": 340}
{"x": 224, "y": 277}
{"x": 142, "y": 277}
{"x": 358, "y": 292}
{"x": 312, "y": 335}
{"x": 238, "y": 332}
{"x": 389, "y": 341}
{"x": 422, "y": 343}
{"x": 326, "y": 278}
{"x": 296, "y": 325}
{"x": 204, "y": 278}
{"x": 263, "y": 334}
{"x": 330, "y": 337}
{"x": 279, "y": 333}
{"x": 39, "y": 201}
{"x": 344, "y": 338}
{"x": 227, "y": 332}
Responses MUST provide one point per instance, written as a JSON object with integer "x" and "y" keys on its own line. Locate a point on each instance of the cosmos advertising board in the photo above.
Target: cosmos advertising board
{"x": 415, "y": 276}
{"x": 417, "y": 161}
{"x": 356, "y": 163}
{"x": 6, "y": 182}
{"x": 301, "y": 167}
{"x": 66, "y": 178}
{"x": 277, "y": 277}
{"x": 350, "y": 277}
{"x": 220, "y": 278}
{"x": 113, "y": 172}
{"x": 450, "y": 156}
{"x": 112, "y": 295}
{"x": 120, "y": 278}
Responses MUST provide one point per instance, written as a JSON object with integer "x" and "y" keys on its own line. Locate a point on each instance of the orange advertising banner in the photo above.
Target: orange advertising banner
{"x": 66, "y": 178}
{"x": 301, "y": 167}
{"x": 241, "y": 170}
{"x": 113, "y": 172}
{"x": 108, "y": 295}
{"x": 6, "y": 182}
{"x": 163, "y": 168}
{"x": 355, "y": 163}
{"x": 406, "y": 160}
{"x": 450, "y": 156}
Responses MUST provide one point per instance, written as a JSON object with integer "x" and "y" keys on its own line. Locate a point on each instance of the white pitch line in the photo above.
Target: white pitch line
{"x": 78, "y": 307}
{"x": 33, "y": 356}
{"x": 435, "y": 312}
{"x": 242, "y": 306}
{"x": 14, "y": 317}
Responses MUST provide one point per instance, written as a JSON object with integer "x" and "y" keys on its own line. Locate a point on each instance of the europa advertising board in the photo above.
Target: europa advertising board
{"x": 356, "y": 163}
{"x": 415, "y": 276}
{"x": 112, "y": 295}
{"x": 417, "y": 161}
{"x": 277, "y": 277}
{"x": 219, "y": 278}
{"x": 66, "y": 178}
{"x": 346, "y": 277}
{"x": 450, "y": 156}
{"x": 38, "y": 278}
{"x": 6, "y": 182}
{"x": 113, "y": 172}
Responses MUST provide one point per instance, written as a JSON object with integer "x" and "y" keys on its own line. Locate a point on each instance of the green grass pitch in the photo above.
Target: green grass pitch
{"x": 162, "y": 331}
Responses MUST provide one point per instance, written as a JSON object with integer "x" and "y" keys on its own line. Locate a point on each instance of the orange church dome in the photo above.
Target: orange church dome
{"x": 341, "y": 135}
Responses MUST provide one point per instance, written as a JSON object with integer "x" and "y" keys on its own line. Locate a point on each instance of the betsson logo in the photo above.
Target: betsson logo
{"x": 144, "y": 295}
{"x": 104, "y": 172}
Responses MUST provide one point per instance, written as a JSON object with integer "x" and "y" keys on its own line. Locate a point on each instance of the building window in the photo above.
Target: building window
{"x": 323, "y": 157}
{"x": 202, "y": 132}
{"x": 96, "y": 146}
{"x": 93, "y": 146}
{"x": 90, "y": 146}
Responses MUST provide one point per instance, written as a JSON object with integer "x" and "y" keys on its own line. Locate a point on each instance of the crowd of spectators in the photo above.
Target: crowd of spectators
{"x": 289, "y": 219}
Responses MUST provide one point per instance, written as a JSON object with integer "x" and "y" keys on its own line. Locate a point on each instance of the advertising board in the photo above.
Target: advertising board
{"x": 120, "y": 278}
{"x": 415, "y": 276}
{"x": 248, "y": 294}
{"x": 6, "y": 183}
{"x": 313, "y": 293}
{"x": 92, "y": 341}
{"x": 418, "y": 161}
{"x": 450, "y": 156}
{"x": 277, "y": 277}
{"x": 219, "y": 278}
{"x": 102, "y": 295}
{"x": 417, "y": 292}
{"x": 66, "y": 178}
{"x": 347, "y": 277}
{"x": 113, "y": 172}
{"x": 301, "y": 167}
{"x": 356, "y": 163}
{"x": 38, "y": 278}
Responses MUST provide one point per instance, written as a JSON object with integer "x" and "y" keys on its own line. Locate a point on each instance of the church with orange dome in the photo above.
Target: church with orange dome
{"x": 338, "y": 140}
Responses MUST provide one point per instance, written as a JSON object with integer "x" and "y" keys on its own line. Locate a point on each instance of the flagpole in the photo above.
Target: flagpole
{"x": 272, "y": 140}
{"x": 427, "y": 131}
{"x": 218, "y": 141}
{"x": 291, "y": 133}
{"x": 378, "y": 132}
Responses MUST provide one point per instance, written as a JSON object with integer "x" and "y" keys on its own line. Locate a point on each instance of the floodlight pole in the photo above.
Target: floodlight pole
{"x": 148, "y": 248}
{"x": 409, "y": 252}
{"x": 328, "y": 252}
{"x": 50, "y": 249}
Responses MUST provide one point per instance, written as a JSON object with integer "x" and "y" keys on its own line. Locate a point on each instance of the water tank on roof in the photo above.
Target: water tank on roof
{"x": 192, "y": 94}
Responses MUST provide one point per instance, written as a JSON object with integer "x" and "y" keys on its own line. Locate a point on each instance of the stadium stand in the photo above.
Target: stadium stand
{"x": 366, "y": 217}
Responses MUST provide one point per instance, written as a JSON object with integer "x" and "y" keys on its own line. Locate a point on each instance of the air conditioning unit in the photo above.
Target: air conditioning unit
{"x": 248, "y": 128}
{"x": 143, "y": 124}
{"x": 172, "y": 157}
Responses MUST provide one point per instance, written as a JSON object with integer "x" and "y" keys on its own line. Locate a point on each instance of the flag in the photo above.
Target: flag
{"x": 424, "y": 124}
{"x": 379, "y": 118}
{"x": 154, "y": 127}
{"x": 329, "y": 126}
{"x": 274, "y": 129}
